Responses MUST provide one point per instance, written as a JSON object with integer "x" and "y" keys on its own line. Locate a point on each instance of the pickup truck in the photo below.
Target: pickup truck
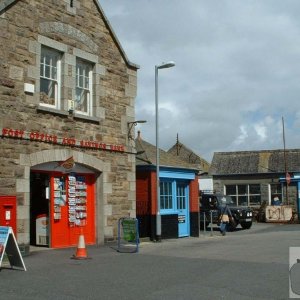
{"x": 210, "y": 204}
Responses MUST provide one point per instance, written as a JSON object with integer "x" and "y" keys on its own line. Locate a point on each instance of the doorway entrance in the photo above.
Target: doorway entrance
{"x": 39, "y": 208}
{"x": 62, "y": 206}
{"x": 183, "y": 209}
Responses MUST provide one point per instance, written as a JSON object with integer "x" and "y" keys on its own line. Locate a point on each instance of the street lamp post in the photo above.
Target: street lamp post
{"x": 158, "y": 216}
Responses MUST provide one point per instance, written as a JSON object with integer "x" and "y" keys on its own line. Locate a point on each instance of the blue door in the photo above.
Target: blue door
{"x": 182, "y": 200}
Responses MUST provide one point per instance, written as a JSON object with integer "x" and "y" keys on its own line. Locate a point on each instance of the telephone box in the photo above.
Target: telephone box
{"x": 8, "y": 215}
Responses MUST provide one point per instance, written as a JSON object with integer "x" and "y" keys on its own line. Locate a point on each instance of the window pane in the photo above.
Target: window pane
{"x": 47, "y": 71}
{"x": 47, "y": 91}
{"x": 233, "y": 198}
{"x": 181, "y": 201}
{"x": 54, "y": 73}
{"x": 230, "y": 189}
{"x": 81, "y": 100}
{"x": 276, "y": 188}
{"x": 47, "y": 58}
{"x": 80, "y": 81}
{"x": 49, "y": 84}
{"x": 255, "y": 200}
{"x": 86, "y": 83}
{"x": 166, "y": 195}
{"x": 243, "y": 201}
{"x": 170, "y": 202}
{"x": 254, "y": 189}
{"x": 242, "y": 189}
{"x": 83, "y": 82}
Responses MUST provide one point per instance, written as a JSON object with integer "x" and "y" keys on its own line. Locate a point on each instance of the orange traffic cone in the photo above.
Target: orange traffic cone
{"x": 81, "y": 250}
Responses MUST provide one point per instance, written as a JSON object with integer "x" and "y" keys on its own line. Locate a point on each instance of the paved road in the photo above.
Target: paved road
{"x": 247, "y": 264}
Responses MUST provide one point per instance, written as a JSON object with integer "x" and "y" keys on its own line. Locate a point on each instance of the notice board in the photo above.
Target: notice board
{"x": 9, "y": 246}
{"x": 128, "y": 235}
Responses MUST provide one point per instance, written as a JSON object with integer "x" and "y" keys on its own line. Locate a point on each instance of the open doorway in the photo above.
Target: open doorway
{"x": 39, "y": 209}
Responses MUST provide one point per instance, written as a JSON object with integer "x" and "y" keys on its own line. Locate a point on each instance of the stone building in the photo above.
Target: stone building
{"x": 252, "y": 178}
{"x": 67, "y": 94}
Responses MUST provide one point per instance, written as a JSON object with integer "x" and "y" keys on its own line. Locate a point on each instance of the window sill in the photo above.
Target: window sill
{"x": 86, "y": 118}
{"x": 44, "y": 109}
{"x": 64, "y": 113}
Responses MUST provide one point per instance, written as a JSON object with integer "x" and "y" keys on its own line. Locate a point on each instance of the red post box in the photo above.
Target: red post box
{"x": 8, "y": 212}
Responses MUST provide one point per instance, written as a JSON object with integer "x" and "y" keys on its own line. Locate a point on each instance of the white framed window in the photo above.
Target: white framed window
{"x": 181, "y": 196}
{"x": 244, "y": 194}
{"x": 50, "y": 77}
{"x": 84, "y": 84}
{"x": 173, "y": 195}
{"x": 166, "y": 195}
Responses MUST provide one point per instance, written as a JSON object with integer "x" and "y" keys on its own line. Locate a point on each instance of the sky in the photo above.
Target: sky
{"x": 236, "y": 83}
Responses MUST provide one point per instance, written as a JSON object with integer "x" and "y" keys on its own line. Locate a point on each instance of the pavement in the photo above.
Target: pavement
{"x": 246, "y": 264}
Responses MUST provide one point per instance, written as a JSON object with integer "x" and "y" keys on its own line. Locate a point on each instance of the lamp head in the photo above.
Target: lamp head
{"x": 166, "y": 65}
{"x": 137, "y": 122}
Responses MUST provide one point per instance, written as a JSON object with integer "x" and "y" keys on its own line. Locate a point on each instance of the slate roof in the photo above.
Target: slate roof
{"x": 255, "y": 162}
{"x": 6, "y": 4}
{"x": 189, "y": 156}
{"x": 148, "y": 157}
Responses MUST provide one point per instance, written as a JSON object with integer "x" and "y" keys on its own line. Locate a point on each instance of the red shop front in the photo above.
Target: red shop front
{"x": 61, "y": 206}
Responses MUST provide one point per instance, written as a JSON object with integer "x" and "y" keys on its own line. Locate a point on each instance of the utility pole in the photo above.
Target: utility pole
{"x": 285, "y": 164}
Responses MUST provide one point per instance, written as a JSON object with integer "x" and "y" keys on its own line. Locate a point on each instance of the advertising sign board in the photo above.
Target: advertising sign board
{"x": 8, "y": 245}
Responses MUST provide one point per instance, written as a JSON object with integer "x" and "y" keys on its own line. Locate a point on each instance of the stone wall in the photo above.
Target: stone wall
{"x": 77, "y": 31}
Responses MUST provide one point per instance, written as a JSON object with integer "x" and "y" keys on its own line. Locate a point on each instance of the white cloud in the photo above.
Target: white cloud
{"x": 236, "y": 73}
{"x": 242, "y": 137}
{"x": 261, "y": 131}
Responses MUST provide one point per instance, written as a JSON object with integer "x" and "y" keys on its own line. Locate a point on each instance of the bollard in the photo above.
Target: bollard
{"x": 211, "y": 224}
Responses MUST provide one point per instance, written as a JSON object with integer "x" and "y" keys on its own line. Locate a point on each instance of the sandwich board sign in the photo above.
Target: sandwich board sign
{"x": 8, "y": 245}
{"x": 128, "y": 235}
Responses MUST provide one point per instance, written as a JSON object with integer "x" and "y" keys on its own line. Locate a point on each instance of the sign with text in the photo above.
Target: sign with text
{"x": 181, "y": 219}
{"x": 8, "y": 245}
{"x": 128, "y": 235}
{"x": 129, "y": 229}
{"x": 54, "y": 139}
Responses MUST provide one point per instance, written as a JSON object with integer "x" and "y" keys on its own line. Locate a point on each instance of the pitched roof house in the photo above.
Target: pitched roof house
{"x": 255, "y": 162}
{"x": 67, "y": 93}
{"x": 178, "y": 183}
{"x": 254, "y": 177}
{"x": 189, "y": 156}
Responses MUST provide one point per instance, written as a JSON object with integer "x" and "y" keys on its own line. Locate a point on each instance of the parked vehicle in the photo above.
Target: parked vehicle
{"x": 210, "y": 203}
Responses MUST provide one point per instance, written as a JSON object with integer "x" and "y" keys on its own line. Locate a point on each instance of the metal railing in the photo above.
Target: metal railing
{"x": 204, "y": 220}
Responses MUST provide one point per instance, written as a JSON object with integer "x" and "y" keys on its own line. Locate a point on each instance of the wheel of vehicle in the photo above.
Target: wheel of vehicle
{"x": 246, "y": 225}
{"x": 232, "y": 224}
